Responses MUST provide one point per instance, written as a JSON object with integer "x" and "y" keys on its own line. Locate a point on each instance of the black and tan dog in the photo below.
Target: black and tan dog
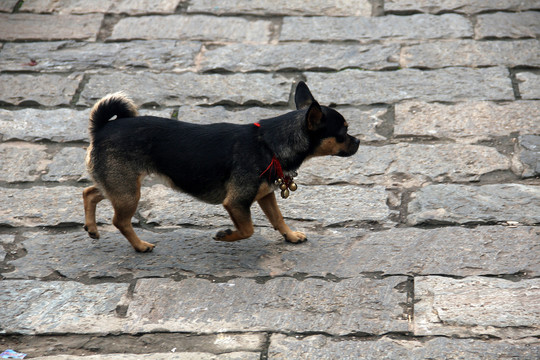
{"x": 234, "y": 165}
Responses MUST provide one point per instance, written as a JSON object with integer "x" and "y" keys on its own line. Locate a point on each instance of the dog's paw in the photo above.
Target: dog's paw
{"x": 144, "y": 247}
{"x": 223, "y": 235}
{"x": 295, "y": 237}
{"x": 92, "y": 232}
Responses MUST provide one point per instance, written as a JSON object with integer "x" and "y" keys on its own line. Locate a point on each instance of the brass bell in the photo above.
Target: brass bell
{"x": 283, "y": 186}
{"x": 279, "y": 180}
{"x": 293, "y": 186}
{"x": 285, "y": 193}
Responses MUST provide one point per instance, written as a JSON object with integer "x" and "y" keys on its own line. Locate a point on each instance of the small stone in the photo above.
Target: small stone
{"x": 529, "y": 85}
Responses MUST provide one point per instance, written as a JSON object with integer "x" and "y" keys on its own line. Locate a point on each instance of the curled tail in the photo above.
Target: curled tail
{"x": 113, "y": 104}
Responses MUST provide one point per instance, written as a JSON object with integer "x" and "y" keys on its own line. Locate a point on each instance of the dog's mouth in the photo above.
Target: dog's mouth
{"x": 352, "y": 148}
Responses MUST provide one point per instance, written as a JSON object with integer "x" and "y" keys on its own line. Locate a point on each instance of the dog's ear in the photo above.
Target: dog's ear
{"x": 302, "y": 96}
{"x": 314, "y": 117}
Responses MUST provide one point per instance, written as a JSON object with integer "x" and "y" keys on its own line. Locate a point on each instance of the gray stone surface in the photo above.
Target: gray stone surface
{"x": 529, "y": 85}
{"x": 188, "y": 88}
{"x": 46, "y": 206}
{"x": 22, "y": 162}
{"x": 45, "y": 89}
{"x": 471, "y": 53}
{"x": 36, "y": 307}
{"x": 366, "y": 29}
{"x": 243, "y": 355}
{"x": 59, "y": 125}
{"x": 321, "y": 347}
{"x": 282, "y": 7}
{"x": 452, "y": 203}
{"x": 281, "y": 304}
{"x": 508, "y": 25}
{"x": 196, "y": 27}
{"x": 60, "y": 56}
{"x": 131, "y": 7}
{"x": 5, "y": 240}
{"x": 67, "y": 164}
{"x": 342, "y": 253}
{"x": 8, "y": 5}
{"x": 49, "y": 27}
{"x": 468, "y": 121}
{"x": 415, "y": 163}
{"x": 245, "y": 58}
{"x": 460, "y": 6}
{"x": 166, "y": 207}
{"x": 450, "y": 84}
{"x": 476, "y": 306}
{"x": 527, "y": 158}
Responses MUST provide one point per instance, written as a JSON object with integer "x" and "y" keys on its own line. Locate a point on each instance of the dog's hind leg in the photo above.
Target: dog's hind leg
{"x": 125, "y": 205}
{"x": 91, "y": 197}
{"x": 270, "y": 208}
{"x": 241, "y": 217}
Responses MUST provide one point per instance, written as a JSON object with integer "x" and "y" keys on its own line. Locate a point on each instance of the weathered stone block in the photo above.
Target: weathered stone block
{"x": 281, "y": 304}
{"x": 131, "y": 7}
{"x": 460, "y": 6}
{"x": 177, "y": 355}
{"x": 471, "y": 53}
{"x": 45, "y": 89}
{"x": 527, "y": 157}
{"x": 469, "y": 121}
{"x": 188, "y": 88}
{"x": 322, "y": 347}
{"x": 21, "y": 162}
{"x": 61, "y": 56}
{"x": 36, "y": 307}
{"x": 59, "y": 125}
{"x": 529, "y": 85}
{"x": 508, "y": 25}
{"x": 415, "y": 163}
{"x": 282, "y": 7}
{"x": 67, "y": 164}
{"x": 462, "y": 204}
{"x": 364, "y": 29}
{"x": 476, "y": 306}
{"x": 449, "y": 84}
{"x": 49, "y": 27}
{"x": 245, "y": 58}
{"x": 196, "y": 27}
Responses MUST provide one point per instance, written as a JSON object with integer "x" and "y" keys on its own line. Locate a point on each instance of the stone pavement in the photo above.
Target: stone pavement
{"x": 424, "y": 245}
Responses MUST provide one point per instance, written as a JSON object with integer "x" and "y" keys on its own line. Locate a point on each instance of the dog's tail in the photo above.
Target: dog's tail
{"x": 117, "y": 104}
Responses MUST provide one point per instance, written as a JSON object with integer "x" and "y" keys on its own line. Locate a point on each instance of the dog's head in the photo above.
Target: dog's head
{"x": 325, "y": 125}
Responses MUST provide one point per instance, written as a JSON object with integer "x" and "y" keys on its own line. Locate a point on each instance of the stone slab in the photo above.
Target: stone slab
{"x": 282, "y": 7}
{"x": 508, "y": 25}
{"x": 367, "y": 29}
{"x": 469, "y": 121}
{"x": 167, "y": 89}
{"x": 346, "y": 204}
{"x": 405, "y": 164}
{"x": 195, "y": 27}
{"x": 59, "y": 125}
{"x": 61, "y": 56}
{"x": 476, "y": 306}
{"x": 35, "y": 307}
{"x": 282, "y": 57}
{"x": 281, "y": 304}
{"x": 131, "y": 7}
{"x": 342, "y": 253}
{"x": 8, "y": 5}
{"x": 22, "y": 26}
{"x": 68, "y": 164}
{"x": 529, "y": 85}
{"x": 45, "y": 89}
{"x": 471, "y": 53}
{"x": 22, "y": 162}
{"x": 449, "y": 84}
{"x": 462, "y": 204}
{"x": 459, "y": 6}
{"x": 527, "y": 157}
{"x": 46, "y": 206}
{"x": 322, "y": 347}
{"x": 237, "y": 355}
{"x": 5, "y": 239}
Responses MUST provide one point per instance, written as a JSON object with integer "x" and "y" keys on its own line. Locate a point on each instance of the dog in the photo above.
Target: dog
{"x": 230, "y": 164}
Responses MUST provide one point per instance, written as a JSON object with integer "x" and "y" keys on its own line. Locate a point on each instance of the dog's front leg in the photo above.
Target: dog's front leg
{"x": 270, "y": 207}
{"x": 241, "y": 217}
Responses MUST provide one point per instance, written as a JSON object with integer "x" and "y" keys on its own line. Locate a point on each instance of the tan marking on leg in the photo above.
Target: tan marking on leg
{"x": 270, "y": 208}
{"x": 91, "y": 197}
